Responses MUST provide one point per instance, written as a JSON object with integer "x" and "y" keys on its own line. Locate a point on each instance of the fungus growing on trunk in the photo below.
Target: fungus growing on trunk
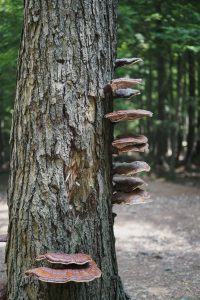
{"x": 121, "y": 83}
{"x": 64, "y": 258}
{"x": 127, "y": 184}
{"x": 120, "y": 62}
{"x": 125, "y": 115}
{"x": 3, "y": 238}
{"x": 2, "y": 290}
{"x": 138, "y": 196}
{"x": 83, "y": 273}
{"x": 137, "y": 148}
{"x": 125, "y": 93}
{"x": 128, "y": 141}
{"x": 81, "y": 268}
{"x": 130, "y": 168}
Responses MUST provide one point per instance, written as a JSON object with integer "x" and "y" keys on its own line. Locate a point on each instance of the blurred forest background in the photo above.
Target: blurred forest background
{"x": 166, "y": 35}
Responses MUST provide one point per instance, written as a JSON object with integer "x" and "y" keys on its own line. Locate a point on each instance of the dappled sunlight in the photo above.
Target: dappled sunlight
{"x": 134, "y": 235}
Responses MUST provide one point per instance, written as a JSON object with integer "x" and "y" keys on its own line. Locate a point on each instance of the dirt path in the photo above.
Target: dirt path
{"x": 158, "y": 244}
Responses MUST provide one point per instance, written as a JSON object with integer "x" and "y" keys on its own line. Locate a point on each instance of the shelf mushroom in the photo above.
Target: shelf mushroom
{"x": 130, "y": 168}
{"x": 80, "y": 268}
{"x": 128, "y": 189}
{"x": 138, "y": 196}
{"x": 127, "y": 183}
{"x": 122, "y": 144}
{"x": 64, "y": 258}
{"x": 120, "y": 62}
{"x": 121, "y": 87}
{"x": 125, "y": 93}
{"x": 126, "y": 115}
{"x": 123, "y": 83}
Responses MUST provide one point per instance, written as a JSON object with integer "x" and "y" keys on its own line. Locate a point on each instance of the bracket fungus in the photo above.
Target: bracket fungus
{"x": 65, "y": 259}
{"x": 135, "y": 167}
{"x": 131, "y": 140}
{"x": 137, "y": 148}
{"x": 126, "y": 115}
{"x": 138, "y": 196}
{"x": 127, "y": 184}
{"x": 124, "y": 83}
{"x": 3, "y": 238}
{"x": 120, "y": 62}
{"x": 80, "y": 268}
{"x": 2, "y": 291}
{"x": 86, "y": 273}
{"x": 125, "y": 93}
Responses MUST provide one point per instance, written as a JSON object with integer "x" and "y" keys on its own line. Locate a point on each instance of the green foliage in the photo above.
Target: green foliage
{"x": 10, "y": 30}
{"x": 162, "y": 33}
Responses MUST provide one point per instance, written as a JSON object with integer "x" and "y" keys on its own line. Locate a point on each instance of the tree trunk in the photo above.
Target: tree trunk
{"x": 197, "y": 148}
{"x": 60, "y": 187}
{"x": 173, "y": 114}
{"x": 162, "y": 88}
{"x": 191, "y": 109}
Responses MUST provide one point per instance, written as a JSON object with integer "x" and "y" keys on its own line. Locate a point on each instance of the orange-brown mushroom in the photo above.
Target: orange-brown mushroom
{"x": 85, "y": 273}
{"x": 130, "y": 168}
{"x": 138, "y": 196}
{"x": 3, "y": 238}
{"x": 127, "y": 184}
{"x": 127, "y": 141}
{"x": 123, "y": 83}
{"x": 126, "y": 115}
{"x": 65, "y": 259}
{"x": 120, "y": 62}
{"x": 2, "y": 290}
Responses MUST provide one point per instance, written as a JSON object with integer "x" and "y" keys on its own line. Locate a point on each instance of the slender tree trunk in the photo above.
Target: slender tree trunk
{"x": 59, "y": 190}
{"x": 191, "y": 109}
{"x": 1, "y": 144}
{"x": 162, "y": 88}
{"x": 197, "y": 148}
{"x": 149, "y": 89}
{"x": 177, "y": 111}
{"x": 173, "y": 114}
{"x": 182, "y": 71}
{"x": 162, "y": 93}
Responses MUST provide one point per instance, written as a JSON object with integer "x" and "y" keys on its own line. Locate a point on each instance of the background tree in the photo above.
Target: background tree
{"x": 166, "y": 36}
{"x": 59, "y": 191}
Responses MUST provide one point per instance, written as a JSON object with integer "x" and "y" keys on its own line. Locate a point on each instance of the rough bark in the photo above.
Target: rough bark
{"x": 59, "y": 190}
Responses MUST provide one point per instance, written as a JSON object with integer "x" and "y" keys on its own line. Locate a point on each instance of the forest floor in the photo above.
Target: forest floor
{"x": 158, "y": 244}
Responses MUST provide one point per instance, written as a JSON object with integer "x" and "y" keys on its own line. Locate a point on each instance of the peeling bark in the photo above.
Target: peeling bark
{"x": 60, "y": 189}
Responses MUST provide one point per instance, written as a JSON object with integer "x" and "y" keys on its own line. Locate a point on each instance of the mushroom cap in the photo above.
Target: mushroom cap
{"x": 125, "y": 93}
{"x": 3, "y": 238}
{"x": 65, "y": 259}
{"x": 126, "y": 115}
{"x": 2, "y": 290}
{"x": 120, "y": 62}
{"x": 127, "y": 184}
{"x": 130, "y": 168}
{"x": 120, "y": 143}
{"x": 138, "y": 196}
{"x": 86, "y": 273}
{"x": 124, "y": 83}
{"x": 137, "y": 148}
